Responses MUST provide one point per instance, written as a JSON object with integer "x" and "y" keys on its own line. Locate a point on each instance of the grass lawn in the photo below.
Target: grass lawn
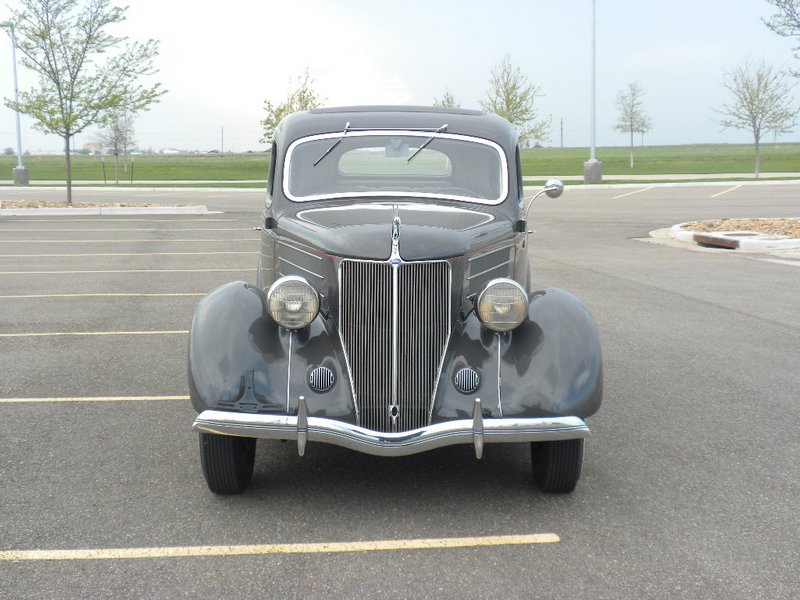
{"x": 649, "y": 160}
{"x": 146, "y": 167}
{"x": 655, "y": 160}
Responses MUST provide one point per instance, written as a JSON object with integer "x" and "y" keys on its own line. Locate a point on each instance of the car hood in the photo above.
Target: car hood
{"x": 426, "y": 231}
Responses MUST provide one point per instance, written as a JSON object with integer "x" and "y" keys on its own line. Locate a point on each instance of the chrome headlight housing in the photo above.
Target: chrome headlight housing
{"x": 502, "y": 305}
{"x": 292, "y": 302}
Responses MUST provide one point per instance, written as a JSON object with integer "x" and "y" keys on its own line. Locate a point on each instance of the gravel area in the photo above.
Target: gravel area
{"x": 788, "y": 227}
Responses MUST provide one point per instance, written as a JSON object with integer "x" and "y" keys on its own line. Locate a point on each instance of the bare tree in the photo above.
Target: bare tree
{"x": 512, "y": 96}
{"x": 761, "y": 102}
{"x": 80, "y": 79}
{"x": 786, "y": 22}
{"x": 631, "y": 117}
{"x": 303, "y": 97}
{"x": 447, "y": 101}
{"x": 118, "y": 136}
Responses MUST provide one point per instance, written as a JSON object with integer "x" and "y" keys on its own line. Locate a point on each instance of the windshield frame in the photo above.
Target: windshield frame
{"x": 504, "y": 175}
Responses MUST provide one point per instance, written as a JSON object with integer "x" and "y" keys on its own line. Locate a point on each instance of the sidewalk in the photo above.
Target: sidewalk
{"x": 675, "y": 177}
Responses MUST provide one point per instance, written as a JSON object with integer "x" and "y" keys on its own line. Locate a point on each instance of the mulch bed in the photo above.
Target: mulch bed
{"x": 788, "y": 227}
{"x": 50, "y": 204}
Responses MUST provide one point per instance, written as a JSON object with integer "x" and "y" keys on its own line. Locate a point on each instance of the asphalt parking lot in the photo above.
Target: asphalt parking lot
{"x": 690, "y": 481}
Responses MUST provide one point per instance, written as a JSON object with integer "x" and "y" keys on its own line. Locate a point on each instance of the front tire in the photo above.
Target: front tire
{"x": 557, "y": 465}
{"x": 227, "y": 462}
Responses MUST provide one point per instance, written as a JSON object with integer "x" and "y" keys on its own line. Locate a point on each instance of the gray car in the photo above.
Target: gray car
{"x": 394, "y": 310}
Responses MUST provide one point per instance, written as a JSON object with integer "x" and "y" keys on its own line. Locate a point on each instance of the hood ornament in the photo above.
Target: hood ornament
{"x": 395, "y": 256}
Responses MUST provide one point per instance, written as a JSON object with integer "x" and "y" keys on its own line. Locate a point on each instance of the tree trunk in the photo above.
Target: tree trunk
{"x": 758, "y": 158}
{"x": 116, "y": 167}
{"x": 67, "y": 137}
{"x": 631, "y": 148}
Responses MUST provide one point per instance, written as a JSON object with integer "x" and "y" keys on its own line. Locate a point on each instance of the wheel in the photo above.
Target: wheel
{"x": 227, "y": 462}
{"x": 557, "y": 465}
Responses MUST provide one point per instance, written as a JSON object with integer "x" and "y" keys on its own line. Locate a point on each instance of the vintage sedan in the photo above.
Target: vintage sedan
{"x": 394, "y": 310}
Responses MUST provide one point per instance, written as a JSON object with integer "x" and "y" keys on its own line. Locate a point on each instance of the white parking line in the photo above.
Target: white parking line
{"x": 90, "y": 333}
{"x": 778, "y": 261}
{"x": 723, "y": 192}
{"x": 127, "y": 241}
{"x": 125, "y": 229}
{"x": 91, "y": 399}
{"x": 632, "y": 193}
{"x": 121, "y": 219}
{"x": 103, "y": 295}
{"x": 124, "y": 254}
{"x": 251, "y": 549}
{"x": 127, "y": 271}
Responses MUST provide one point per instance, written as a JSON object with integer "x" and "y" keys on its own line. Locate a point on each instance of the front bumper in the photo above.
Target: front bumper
{"x": 476, "y": 431}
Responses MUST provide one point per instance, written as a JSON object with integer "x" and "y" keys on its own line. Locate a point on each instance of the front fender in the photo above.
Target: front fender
{"x": 241, "y": 360}
{"x": 227, "y": 367}
{"x": 551, "y": 365}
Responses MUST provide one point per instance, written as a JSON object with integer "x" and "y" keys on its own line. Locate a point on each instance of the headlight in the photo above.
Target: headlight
{"x": 292, "y": 302}
{"x": 502, "y": 305}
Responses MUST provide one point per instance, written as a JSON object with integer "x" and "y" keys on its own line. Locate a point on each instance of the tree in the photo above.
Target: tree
{"x": 761, "y": 103}
{"x": 118, "y": 136}
{"x": 447, "y": 101}
{"x": 631, "y": 118}
{"x": 512, "y": 96}
{"x": 786, "y": 22}
{"x": 80, "y": 79}
{"x": 303, "y": 97}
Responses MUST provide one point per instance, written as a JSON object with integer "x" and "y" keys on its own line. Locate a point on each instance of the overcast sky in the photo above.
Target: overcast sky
{"x": 220, "y": 64}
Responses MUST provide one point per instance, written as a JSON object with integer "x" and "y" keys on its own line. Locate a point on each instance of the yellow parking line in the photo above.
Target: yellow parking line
{"x": 317, "y": 548}
{"x": 723, "y": 192}
{"x": 92, "y": 333}
{"x": 90, "y": 399}
{"x": 105, "y": 295}
{"x": 632, "y": 193}
{"x": 126, "y": 271}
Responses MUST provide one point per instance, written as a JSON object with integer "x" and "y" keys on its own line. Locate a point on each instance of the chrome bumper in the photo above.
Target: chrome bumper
{"x": 476, "y": 431}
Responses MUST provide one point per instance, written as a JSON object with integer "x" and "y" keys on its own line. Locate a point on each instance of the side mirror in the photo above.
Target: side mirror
{"x": 553, "y": 188}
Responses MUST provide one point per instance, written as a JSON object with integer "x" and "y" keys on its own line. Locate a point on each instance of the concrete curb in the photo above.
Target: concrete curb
{"x": 107, "y": 210}
{"x": 735, "y": 240}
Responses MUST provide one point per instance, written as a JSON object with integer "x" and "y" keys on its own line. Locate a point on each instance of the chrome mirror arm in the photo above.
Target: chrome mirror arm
{"x": 553, "y": 188}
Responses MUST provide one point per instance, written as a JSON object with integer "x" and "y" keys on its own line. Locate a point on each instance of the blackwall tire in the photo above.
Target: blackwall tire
{"x": 557, "y": 465}
{"x": 227, "y": 462}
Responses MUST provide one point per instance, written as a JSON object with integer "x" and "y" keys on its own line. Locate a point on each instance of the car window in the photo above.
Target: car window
{"x": 410, "y": 164}
{"x": 377, "y": 161}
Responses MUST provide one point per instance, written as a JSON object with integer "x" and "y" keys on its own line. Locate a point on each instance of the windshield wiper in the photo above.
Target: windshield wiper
{"x": 428, "y": 141}
{"x": 336, "y": 143}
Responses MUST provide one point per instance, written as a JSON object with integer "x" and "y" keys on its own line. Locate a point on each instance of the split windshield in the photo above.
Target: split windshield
{"x": 395, "y": 164}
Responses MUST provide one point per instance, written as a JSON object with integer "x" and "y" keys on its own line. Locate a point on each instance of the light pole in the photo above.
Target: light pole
{"x": 20, "y": 171}
{"x": 593, "y": 168}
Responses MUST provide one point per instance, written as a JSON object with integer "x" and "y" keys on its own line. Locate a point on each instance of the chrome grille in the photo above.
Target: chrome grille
{"x": 394, "y": 323}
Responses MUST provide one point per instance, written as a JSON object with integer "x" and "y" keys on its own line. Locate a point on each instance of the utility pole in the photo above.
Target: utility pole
{"x": 20, "y": 171}
{"x": 562, "y": 133}
{"x": 593, "y": 168}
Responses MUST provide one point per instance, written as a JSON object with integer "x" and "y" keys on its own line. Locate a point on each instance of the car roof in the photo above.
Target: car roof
{"x": 459, "y": 121}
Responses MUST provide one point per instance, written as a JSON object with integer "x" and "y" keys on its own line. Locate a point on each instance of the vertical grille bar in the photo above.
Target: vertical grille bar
{"x": 384, "y": 370}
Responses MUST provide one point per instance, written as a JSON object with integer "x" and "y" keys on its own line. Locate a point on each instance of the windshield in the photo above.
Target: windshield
{"x": 409, "y": 164}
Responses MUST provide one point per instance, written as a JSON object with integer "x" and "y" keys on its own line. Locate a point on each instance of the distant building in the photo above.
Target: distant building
{"x": 93, "y": 148}
{"x": 169, "y": 151}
